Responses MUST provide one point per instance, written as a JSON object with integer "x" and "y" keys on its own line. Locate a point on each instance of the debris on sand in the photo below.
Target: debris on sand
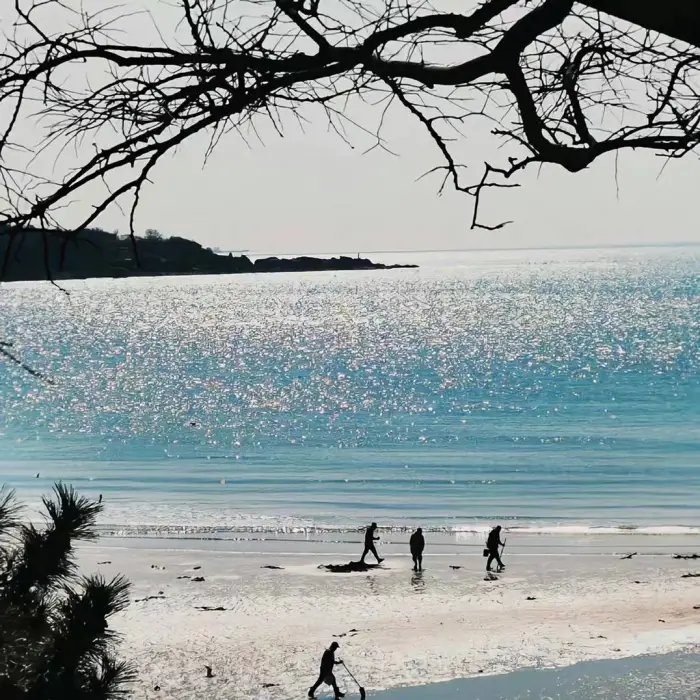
{"x": 155, "y": 566}
{"x": 196, "y": 568}
{"x": 270, "y": 685}
{"x": 686, "y": 556}
{"x": 149, "y": 597}
{"x": 690, "y": 576}
{"x": 490, "y": 577}
{"x": 629, "y": 556}
{"x": 209, "y": 608}
{"x": 183, "y": 576}
{"x": 197, "y": 579}
{"x": 452, "y": 566}
{"x": 103, "y": 562}
{"x": 350, "y": 567}
{"x": 209, "y": 673}
{"x": 270, "y": 566}
{"x": 349, "y": 633}
{"x": 531, "y": 597}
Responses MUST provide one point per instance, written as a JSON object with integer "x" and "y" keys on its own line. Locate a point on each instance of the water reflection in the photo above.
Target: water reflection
{"x": 418, "y": 582}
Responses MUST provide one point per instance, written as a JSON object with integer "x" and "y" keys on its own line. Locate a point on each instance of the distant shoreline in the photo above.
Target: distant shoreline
{"x": 36, "y": 255}
{"x": 516, "y": 249}
{"x": 261, "y": 266}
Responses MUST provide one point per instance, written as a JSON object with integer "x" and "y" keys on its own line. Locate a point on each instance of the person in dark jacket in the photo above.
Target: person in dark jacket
{"x": 417, "y": 545}
{"x": 370, "y": 539}
{"x": 326, "y": 675}
{"x": 492, "y": 544}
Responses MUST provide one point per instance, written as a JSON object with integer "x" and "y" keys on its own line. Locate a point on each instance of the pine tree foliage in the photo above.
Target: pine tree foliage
{"x": 55, "y": 640}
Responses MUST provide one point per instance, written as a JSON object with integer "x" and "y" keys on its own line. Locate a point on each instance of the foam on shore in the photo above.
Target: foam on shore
{"x": 273, "y": 525}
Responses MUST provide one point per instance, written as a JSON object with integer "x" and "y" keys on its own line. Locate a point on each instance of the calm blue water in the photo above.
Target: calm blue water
{"x": 665, "y": 677}
{"x": 550, "y": 390}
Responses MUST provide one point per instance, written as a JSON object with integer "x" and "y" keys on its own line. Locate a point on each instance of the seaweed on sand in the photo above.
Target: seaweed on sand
{"x": 350, "y": 567}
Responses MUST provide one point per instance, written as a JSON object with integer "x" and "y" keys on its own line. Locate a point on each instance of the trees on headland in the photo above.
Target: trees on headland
{"x": 48, "y": 254}
{"x": 55, "y": 640}
{"x": 561, "y": 82}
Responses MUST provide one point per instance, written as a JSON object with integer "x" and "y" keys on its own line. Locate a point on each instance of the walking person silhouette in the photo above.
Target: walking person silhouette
{"x": 326, "y": 675}
{"x": 417, "y": 545}
{"x": 492, "y": 544}
{"x": 370, "y": 539}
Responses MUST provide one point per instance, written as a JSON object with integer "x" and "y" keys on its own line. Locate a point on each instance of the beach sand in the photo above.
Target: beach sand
{"x": 395, "y": 628}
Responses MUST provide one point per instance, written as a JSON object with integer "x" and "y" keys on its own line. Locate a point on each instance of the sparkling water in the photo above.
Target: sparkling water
{"x": 547, "y": 390}
{"x": 664, "y": 677}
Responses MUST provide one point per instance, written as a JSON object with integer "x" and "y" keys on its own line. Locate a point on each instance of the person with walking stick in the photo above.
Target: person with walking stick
{"x": 326, "y": 675}
{"x": 492, "y": 544}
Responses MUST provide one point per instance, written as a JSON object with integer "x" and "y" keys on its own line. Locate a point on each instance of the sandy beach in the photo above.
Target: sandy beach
{"x": 561, "y": 601}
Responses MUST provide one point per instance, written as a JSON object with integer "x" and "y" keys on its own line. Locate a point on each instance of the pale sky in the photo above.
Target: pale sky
{"x": 310, "y": 192}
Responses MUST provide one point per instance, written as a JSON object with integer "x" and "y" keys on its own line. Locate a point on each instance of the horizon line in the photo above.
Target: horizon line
{"x": 675, "y": 244}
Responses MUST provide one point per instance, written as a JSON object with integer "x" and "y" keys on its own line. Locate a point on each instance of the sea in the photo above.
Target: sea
{"x": 547, "y": 390}
{"x": 664, "y": 677}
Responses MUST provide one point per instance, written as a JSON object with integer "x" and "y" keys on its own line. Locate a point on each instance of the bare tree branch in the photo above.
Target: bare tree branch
{"x": 565, "y": 82}
{"x": 13, "y": 358}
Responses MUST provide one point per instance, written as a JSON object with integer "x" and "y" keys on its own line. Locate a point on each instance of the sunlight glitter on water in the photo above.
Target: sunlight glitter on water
{"x": 556, "y": 391}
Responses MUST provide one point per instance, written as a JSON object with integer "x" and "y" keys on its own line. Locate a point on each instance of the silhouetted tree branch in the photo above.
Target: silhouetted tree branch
{"x": 565, "y": 83}
{"x": 14, "y": 359}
